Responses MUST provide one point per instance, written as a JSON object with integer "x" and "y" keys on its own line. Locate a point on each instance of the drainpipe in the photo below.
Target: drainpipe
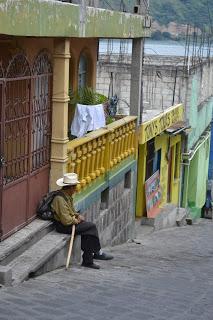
{"x": 181, "y": 172}
{"x": 188, "y": 157}
{"x": 187, "y": 183}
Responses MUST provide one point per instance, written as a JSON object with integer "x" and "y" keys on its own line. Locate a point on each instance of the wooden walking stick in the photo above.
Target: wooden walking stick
{"x": 70, "y": 246}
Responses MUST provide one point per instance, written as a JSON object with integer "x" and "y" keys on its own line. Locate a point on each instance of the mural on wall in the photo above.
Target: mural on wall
{"x": 153, "y": 195}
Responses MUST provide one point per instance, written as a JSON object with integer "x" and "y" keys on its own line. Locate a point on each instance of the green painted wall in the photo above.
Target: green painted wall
{"x": 195, "y": 178}
{"x": 57, "y": 19}
{"x": 198, "y": 119}
{"x": 196, "y": 172}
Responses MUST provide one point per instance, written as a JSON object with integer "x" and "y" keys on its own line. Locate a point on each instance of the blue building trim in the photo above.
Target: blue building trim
{"x": 111, "y": 180}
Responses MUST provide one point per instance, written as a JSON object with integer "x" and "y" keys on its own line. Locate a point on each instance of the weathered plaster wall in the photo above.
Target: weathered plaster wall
{"x": 158, "y": 80}
{"x": 194, "y": 89}
{"x": 59, "y": 19}
{"x": 160, "y": 89}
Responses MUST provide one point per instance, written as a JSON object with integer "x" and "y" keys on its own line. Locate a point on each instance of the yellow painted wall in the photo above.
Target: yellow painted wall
{"x": 30, "y": 46}
{"x": 161, "y": 142}
{"x": 165, "y": 143}
{"x": 175, "y": 143}
{"x": 89, "y": 48}
{"x": 140, "y": 196}
{"x": 159, "y": 123}
{"x": 65, "y": 75}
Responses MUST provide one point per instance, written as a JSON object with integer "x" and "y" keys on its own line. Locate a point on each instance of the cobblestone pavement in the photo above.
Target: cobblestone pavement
{"x": 168, "y": 276}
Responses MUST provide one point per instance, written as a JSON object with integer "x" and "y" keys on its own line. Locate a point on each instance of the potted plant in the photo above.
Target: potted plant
{"x": 91, "y": 111}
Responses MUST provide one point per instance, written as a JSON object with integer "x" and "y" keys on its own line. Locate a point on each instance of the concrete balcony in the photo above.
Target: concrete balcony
{"x": 41, "y": 18}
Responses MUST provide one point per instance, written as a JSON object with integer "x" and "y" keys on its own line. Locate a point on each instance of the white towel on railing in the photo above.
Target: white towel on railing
{"x": 87, "y": 118}
{"x": 96, "y": 117}
{"x": 80, "y": 121}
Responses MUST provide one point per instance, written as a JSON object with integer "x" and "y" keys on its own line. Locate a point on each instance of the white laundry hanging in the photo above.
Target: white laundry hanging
{"x": 87, "y": 118}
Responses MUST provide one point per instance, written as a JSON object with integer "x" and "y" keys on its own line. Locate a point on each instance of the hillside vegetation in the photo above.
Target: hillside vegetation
{"x": 197, "y": 13}
{"x": 127, "y": 5}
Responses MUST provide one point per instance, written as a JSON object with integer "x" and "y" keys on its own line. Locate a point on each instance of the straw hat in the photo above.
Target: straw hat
{"x": 68, "y": 179}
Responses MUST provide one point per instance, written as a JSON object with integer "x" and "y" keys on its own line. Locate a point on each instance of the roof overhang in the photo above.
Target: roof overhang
{"x": 180, "y": 127}
{"x": 51, "y": 18}
{"x": 160, "y": 122}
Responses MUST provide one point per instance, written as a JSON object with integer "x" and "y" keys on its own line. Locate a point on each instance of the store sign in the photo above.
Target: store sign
{"x": 153, "y": 195}
{"x": 158, "y": 124}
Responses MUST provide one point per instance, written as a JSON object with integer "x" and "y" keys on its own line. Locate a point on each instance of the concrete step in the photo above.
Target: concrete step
{"x": 165, "y": 219}
{"x": 34, "y": 250}
{"x": 182, "y": 215}
{"x": 16, "y": 244}
{"x": 190, "y": 219}
{"x": 46, "y": 255}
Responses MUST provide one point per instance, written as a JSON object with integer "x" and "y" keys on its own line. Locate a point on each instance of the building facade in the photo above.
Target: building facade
{"x": 199, "y": 115}
{"x": 169, "y": 81}
{"x": 48, "y": 50}
{"x": 159, "y": 160}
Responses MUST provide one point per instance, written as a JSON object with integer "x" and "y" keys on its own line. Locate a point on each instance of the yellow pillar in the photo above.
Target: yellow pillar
{"x": 60, "y": 101}
{"x": 140, "y": 199}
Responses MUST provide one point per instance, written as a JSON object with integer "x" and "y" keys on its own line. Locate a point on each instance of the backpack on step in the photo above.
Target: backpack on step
{"x": 44, "y": 210}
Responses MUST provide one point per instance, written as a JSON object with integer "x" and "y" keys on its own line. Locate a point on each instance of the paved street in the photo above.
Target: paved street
{"x": 169, "y": 275}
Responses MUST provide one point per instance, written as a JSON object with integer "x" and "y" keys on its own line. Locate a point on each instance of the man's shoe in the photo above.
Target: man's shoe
{"x": 91, "y": 265}
{"x": 102, "y": 256}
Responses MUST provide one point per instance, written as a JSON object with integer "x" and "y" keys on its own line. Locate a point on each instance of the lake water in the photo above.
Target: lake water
{"x": 167, "y": 48}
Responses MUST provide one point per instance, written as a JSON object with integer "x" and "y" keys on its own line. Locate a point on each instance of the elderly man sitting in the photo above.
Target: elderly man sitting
{"x": 65, "y": 216}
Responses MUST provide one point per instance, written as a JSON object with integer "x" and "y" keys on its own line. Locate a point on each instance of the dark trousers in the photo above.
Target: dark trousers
{"x": 90, "y": 243}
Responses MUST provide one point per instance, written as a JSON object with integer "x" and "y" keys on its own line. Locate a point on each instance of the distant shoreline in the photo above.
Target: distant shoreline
{"x": 153, "y": 47}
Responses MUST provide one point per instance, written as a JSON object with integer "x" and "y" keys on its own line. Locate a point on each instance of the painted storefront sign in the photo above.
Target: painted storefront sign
{"x": 153, "y": 195}
{"x": 163, "y": 121}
